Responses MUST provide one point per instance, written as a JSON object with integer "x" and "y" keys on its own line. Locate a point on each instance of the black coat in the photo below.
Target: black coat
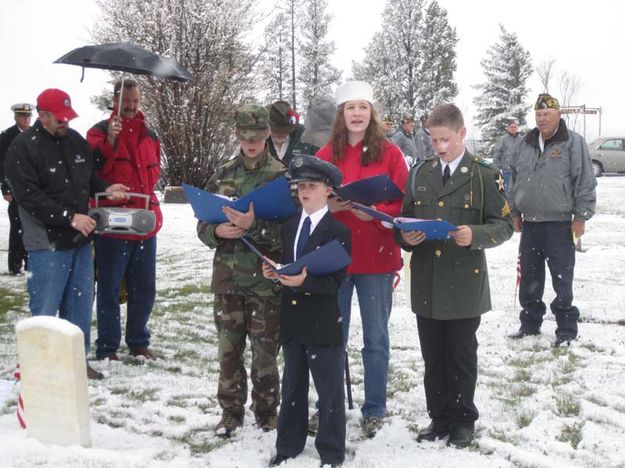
{"x": 52, "y": 179}
{"x": 310, "y": 314}
{"x": 6, "y": 138}
{"x": 296, "y": 146}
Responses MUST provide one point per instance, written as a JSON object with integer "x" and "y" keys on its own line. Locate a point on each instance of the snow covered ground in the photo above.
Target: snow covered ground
{"x": 539, "y": 407}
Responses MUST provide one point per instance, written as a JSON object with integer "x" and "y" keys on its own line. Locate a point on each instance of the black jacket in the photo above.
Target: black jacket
{"x": 6, "y": 138}
{"x": 296, "y": 146}
{"x": 310, "y": 314}
{"x": 52, "y": 179}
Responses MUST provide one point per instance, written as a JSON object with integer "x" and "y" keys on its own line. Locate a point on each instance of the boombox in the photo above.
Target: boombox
{"x": 115, "y": 220}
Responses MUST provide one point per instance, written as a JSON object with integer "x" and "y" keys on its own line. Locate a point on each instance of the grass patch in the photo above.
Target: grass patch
{"x": 567, "y": 405}
{"x": 144, "y": 394}
{"x": 524, "y": 418}
{"x": 572, "y": 434}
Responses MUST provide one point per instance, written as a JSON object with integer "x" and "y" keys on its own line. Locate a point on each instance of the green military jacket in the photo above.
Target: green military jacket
{"x": 236, "y": 269}
{"x": 450, "y": 282}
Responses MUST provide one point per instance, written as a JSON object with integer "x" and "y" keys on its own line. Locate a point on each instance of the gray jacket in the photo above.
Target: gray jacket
{"x": 423, "y": 145}
{"x": 504, "y": 149}
{"x": 555, "y": 185}
{"x": 406, "y": 144}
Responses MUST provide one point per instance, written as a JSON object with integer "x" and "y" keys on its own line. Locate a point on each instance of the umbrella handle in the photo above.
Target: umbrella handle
{"x": 121, "y": 93}
{"x": 82, "y": 77}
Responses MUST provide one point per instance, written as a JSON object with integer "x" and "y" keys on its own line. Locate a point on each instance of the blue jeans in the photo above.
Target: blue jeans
{"x": 135, "y": 261}
{"x": 62, "y": 281}
{"x": 507, "y": 178}
{"x": 375, "y": 298}
{"x": 548, "y": 242}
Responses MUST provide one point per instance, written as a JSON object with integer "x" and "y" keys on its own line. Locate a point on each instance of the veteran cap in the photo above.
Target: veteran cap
{"x": 23, "y": 108}
{"x": 387, "y": 119}
{"x": 252, "y": 122}
{"x": 56, "y": 102}
{"x": 282, "y": 118}
{"x": 546, "y": 101}
{"x": 305, "y": 167}
{"x": 407, "y": 119}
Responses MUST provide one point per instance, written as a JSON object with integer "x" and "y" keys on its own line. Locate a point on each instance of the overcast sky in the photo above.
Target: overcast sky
{"x": 585, "y": 38}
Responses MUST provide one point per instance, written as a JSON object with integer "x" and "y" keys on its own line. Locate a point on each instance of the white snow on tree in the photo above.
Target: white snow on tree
{"x": 194, "y": 120}
{"x": 503, "y": 94}
{"x": 316, "y": 75}
{"x": 411, "y": 61}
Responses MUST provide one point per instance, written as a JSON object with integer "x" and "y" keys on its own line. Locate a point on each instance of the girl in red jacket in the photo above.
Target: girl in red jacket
{"x": 359, "y": 149}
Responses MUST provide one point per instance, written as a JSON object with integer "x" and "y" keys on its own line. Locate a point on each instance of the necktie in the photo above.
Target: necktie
{"x": 304, "y": 234}
{"x": 446, "y": 174}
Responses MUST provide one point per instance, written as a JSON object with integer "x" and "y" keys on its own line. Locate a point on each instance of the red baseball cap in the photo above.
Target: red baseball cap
{"x": 58, "y": 103}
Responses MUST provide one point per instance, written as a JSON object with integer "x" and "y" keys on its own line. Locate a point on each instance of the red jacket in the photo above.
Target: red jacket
{"x": 134, "y": 161}
{"x": 373, "y": 247}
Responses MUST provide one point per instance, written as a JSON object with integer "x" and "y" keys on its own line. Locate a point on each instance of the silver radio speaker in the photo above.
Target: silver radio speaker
{"x": 115, "y": 220}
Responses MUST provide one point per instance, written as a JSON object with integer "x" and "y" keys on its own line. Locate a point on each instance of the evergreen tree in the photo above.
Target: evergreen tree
{"x": 193, "y": 120}
{"x": 316, "y": 75}
{"x": 411, "y": 62}
{"x": 276, "y": 58}
{"x": 507, "y": 68}
{"x": 439, "y": 60}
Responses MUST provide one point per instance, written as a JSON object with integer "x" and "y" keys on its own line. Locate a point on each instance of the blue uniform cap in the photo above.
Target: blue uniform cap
{"x": 305, "y": 167}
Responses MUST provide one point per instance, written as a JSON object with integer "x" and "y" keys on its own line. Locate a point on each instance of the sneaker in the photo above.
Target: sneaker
{"x": 371, "y": 425}
{"x": 313, "y": 423}
{"x": 93, "y": 374}
{"x": 267, "y": 421}
{"x": 142, "y": 351}
{"x": 229, "y": 423}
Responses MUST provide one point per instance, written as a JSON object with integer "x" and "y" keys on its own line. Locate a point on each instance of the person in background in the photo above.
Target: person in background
{"x": 552, "y": 196}
{"x": 246, "y": 303}
{"x": 22, "y": 113}
{"x": 389, "y": 127}
{"x": 423, "y": 143}
{"x": 319, "y": 121}
{"x": 50, "y": 170}
{"x": 126, "y": 150}
{"x": 504, "y": 150}
{"x": 404, "y": 139}
{"x": 360, "y": 150}
{"x": 286, "y": 132}
{"x": 310, "y": 327}
{"x": 449, "y": 277}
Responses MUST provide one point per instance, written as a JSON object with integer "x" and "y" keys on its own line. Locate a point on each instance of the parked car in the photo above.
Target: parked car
{"x": 608, "y": 155}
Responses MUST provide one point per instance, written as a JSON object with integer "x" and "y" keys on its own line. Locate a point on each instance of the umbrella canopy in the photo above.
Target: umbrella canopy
{"x": 126, "y": 57}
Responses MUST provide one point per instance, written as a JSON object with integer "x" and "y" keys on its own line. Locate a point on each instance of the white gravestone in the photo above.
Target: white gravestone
{"x": 51, "y": 353}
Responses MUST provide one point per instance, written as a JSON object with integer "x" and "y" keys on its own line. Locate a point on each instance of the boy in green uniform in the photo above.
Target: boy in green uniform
{"x": 246, "y": 304}
{"x": 449, "y": 278}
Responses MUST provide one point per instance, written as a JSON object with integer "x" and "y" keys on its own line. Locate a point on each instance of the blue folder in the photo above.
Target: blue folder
{"x": 433, "y": 228}
{"x": 272, "y": 202}
{"x": 369, "y": 191}
{"x": 326, "y": 259}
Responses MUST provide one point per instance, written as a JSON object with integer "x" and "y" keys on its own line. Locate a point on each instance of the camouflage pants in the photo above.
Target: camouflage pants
{"x": 236, "y": 317}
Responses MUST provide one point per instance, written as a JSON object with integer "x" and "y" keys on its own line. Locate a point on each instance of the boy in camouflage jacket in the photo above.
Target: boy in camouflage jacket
{"x": 245, "y": 302}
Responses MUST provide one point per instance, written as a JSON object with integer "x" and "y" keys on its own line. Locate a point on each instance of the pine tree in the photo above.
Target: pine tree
{"x": 439, "y": 60}
{"x": 316, "y": 75}
{"x": 507, "y": 68}
{"x": 276, "y": 58}
{"x": 411, "y": 62}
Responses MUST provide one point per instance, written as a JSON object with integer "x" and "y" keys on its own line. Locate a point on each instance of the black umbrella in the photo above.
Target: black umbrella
{"x": 125, "y": 57}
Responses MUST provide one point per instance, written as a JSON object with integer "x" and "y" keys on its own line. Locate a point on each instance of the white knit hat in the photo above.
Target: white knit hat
{"x": 354, "y": 91}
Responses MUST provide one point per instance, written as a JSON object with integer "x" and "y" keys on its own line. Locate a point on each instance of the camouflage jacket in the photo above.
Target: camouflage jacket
{"x": 237, "y": 270}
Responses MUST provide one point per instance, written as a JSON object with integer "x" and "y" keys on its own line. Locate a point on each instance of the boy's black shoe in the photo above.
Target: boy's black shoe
{"x": 436, "y": 430}
{"x": 278, "y": 460}
{"x": 460, "y": 436}
{"x": 522, "y": 334}
{"x": 560, "y": 340}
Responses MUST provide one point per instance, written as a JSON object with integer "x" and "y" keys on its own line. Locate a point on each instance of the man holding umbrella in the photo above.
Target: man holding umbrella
{"x": 126, "y": 150}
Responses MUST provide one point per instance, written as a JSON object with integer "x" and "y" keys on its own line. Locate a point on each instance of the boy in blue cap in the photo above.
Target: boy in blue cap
{"x": 310, "y": 326}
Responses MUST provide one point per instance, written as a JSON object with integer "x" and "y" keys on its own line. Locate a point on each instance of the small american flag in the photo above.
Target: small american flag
{"x": 20, "y": 403}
